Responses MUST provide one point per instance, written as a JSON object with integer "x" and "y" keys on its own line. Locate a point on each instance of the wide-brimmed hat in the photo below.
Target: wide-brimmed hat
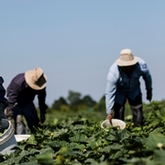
{"x": 36, "y": 79}
{"x": 126, "y": 58}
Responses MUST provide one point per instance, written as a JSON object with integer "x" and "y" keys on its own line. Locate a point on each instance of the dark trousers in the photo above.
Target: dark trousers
{"x": 136, "y": 107}
{"x": 30, "y": 114}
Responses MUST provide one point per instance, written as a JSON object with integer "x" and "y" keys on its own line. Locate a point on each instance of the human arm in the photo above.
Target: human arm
{"x": 13, "y": 92}
{"x": 148, "y": 81}
{"x": 110, "y": 93}
{"x": 42, "y": 105}
{"x": 109, "y": 98}
{"x": 109, "y": 117}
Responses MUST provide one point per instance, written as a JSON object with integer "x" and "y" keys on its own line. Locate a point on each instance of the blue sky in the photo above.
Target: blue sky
{"x": 76, "y": 41}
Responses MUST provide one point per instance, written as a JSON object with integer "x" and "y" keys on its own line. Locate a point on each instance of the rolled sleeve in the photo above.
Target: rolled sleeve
{"x": 41, "y": 100}
{"x": 110, "y": 92}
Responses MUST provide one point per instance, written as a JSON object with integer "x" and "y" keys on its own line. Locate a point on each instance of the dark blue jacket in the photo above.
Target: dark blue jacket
{"x": 3, "y": 100}
{"x": 19, "y": 92}
{"x": 2, "y": 92}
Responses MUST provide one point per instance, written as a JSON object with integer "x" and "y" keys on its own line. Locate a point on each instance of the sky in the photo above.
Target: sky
{"x": 76, "y": 41}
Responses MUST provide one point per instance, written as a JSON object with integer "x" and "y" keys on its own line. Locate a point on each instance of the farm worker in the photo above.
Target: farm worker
{"x": 123, "y": 85}
{"x": 3, "y": 104}
{"x": 21, "y": 93}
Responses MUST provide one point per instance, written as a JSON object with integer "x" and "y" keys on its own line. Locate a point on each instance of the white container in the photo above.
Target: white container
{"x": 7, "y": 141}
{"x": 115, "y": 123}
{"x": 21, "y": 137}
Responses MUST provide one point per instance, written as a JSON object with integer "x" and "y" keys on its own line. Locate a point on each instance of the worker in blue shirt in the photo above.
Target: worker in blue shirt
{"x": 123, "y": 84}
{"x": 21, "y": 93}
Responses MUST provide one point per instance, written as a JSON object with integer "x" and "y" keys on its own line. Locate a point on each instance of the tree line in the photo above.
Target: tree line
{"x": 75, "y": 101}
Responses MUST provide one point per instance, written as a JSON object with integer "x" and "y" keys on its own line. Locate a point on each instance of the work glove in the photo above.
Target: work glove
{"x": 109, "y": 117}
{"x": 42, "y": 118}
{"x": 149, "y": 95}
{"x": 9, "y": 111}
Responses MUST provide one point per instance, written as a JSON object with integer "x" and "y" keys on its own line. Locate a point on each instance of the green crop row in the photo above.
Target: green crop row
{"x": 79, "y": 140}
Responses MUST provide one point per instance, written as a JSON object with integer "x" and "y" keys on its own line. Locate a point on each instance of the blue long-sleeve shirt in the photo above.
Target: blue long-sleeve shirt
{"x": 120, "y": 86}
{"x": 19, "y": 92}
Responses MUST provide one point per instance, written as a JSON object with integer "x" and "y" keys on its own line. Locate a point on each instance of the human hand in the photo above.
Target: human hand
{"x": 109, "y": 117}
{"x": 9, "y": 112}
{"x": 149, "y": 95}
{"x": 42, "y": 118}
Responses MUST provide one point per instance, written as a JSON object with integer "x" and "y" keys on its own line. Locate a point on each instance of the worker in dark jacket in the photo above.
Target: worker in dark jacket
{"x": 3, "y": 104}
{"x": 21, "y": 93}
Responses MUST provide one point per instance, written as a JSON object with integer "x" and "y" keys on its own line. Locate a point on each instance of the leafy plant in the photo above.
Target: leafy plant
{"x": 81, "y": 141}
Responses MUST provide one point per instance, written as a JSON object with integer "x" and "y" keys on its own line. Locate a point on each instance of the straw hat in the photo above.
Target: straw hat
{"x": 36, "y": 79}
{"x": 126, "y": 58}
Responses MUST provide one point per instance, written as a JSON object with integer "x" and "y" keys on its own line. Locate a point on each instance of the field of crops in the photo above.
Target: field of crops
{"x": 79, "y": 140}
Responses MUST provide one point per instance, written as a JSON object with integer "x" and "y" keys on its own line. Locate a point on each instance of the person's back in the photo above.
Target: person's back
{"x": 21, "y": 93}
{"x": 18, "y": 91}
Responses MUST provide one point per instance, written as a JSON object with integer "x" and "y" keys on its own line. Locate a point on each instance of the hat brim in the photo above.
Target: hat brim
{"x": 127, "y": 63}
{"x": 28, "y": 79}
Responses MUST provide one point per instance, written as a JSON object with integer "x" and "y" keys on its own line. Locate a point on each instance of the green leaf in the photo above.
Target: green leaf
{"x": 57, "y": 144}
{"x": 76, "y": 146}
{"x": 159, "y": 157}
{"x": 45, "y": 158}
{"x": 61, "y": 132}
{"x": 79, "y": 137}
{"x": 94, "y": 162}
{"x": 154, "y": 141}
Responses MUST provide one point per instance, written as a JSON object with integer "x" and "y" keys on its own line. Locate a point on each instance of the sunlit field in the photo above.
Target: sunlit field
{"x": 76, "y": 138}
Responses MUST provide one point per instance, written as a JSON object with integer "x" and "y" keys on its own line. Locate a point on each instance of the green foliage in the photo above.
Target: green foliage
{"x": 74, "y": 98}
{"x": 74, "y": 102}
{"x": 58, "y": 103}
{"x": 88, "y": 101}
{"x": 78, "y": 140}
{"x": 100, "y": 106}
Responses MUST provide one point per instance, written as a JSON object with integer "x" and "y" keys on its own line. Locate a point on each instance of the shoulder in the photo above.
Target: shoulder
{"x": 114, "y": 67}
{"x": 113, "y": 71}
{"x": 141, "y": 61}
{"x": 142, "y": 64}
{"x": 19, "y": 76}
{"x": 18, "y": 79}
